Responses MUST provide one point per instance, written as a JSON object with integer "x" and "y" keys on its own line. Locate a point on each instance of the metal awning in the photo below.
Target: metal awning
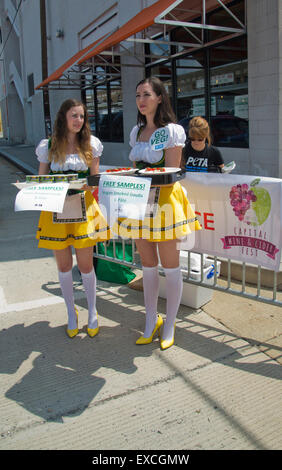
{"x": 101, "y": 61}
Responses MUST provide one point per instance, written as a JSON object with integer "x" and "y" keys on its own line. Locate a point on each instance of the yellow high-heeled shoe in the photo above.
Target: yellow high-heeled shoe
{"x": 74, "y": 332}
{"x": 158, "y": 325}
{"x": 93, "y": 331}
{"x": 166, "y": 343}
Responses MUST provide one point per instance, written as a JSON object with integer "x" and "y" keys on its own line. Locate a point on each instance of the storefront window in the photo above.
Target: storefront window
{"x": 104, "y": 104}
{"x": 229, "y": 94}
{"x": 89, "y": 101}
{"x": 1, "y": 127}
{"x": 229, "y": 81}
{"x": 190, "y": 83}
{"x": 211, "y": 81}
{"x": 110, "y": 112}
{"x": 102, "y": 113}
{"x": 163, "y": 72}
{"x": 116, "y": 111}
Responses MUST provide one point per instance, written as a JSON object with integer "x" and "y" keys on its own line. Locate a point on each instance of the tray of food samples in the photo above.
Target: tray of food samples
{"x": 71, "y": 178}
{"x": 159, "y": 176}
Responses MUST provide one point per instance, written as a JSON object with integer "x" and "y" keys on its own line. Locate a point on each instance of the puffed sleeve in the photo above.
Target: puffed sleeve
{"x": 133, "y": 136}
{"x": 177, "y": 136}
{"x": 41, "y": 151}
{"x": 97, "y": 146}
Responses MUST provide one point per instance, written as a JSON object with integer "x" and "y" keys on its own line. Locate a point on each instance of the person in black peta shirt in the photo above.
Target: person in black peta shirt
{"x": 198, "y": 153}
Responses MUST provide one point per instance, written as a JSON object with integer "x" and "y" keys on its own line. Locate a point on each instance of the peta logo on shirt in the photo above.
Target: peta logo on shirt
{"x": 197, "y": 164}
{"x": 197, "y": 161}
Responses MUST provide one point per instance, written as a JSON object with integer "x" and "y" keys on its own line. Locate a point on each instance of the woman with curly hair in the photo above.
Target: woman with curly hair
{"x": 72, "y": 149}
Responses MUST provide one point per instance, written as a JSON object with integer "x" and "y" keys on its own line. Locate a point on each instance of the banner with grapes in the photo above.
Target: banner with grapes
{"x": 240, "y": 217}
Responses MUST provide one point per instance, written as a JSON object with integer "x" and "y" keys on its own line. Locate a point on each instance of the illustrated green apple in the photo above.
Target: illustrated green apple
{"x": 262, "y": 204}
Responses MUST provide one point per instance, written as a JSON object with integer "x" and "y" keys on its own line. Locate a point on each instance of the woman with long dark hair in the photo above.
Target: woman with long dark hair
{"x": 157, "y": 235}
{"x": 72, "y": 149}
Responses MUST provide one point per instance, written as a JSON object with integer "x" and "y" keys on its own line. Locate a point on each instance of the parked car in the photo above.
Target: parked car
{"x": 227, "y": 130}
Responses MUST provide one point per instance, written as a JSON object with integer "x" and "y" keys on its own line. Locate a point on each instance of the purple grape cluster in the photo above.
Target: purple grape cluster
{"x": 240, "y": 199}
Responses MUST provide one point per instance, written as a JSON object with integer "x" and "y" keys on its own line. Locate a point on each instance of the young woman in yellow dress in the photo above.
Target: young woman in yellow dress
{"x": 72, "y": 149}
{"x": 174, "y": 218}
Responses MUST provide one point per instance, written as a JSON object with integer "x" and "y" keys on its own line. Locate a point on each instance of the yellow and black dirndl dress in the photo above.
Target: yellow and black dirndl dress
{"x": 171, "y": 217}
{"x": 89, "y": 228}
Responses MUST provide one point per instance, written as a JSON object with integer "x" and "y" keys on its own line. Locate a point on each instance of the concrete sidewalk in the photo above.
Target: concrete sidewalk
{"x": 218, "y": 387}
{"x": 23, "y": 156}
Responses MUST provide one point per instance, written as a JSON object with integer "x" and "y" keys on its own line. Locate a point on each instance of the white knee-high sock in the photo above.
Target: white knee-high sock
{"x": 151, "y": 293}
{"x": 66, "y": 283}
{"x": 174, "y": 287}
{"x": 89, "y": 284}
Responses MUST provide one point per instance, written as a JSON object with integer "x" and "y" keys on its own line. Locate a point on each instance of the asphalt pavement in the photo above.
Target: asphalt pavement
{"x": 218, "y": 387}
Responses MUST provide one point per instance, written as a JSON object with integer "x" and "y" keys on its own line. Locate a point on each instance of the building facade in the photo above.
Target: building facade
{"x": 219, "y": 59}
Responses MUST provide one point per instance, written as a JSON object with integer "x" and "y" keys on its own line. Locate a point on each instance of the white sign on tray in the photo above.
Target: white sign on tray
{"x": 124, "y": 196}
{"x": 48, "y": 197}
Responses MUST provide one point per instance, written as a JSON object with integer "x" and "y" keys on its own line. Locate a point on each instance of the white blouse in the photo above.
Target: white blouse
{"x": 73, "y": 161}
{"x": 142, "y": 151}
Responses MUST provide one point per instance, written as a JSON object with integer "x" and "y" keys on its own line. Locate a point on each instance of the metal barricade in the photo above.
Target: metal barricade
{"x": 135, "y": 263}
{"x": 227, "y": 284}
{"x": 224, "y": 283}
